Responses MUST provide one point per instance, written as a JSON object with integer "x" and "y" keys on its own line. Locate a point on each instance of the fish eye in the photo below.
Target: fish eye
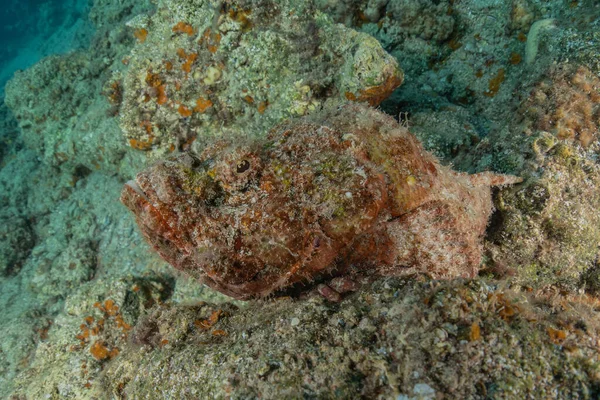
{"x": 243, "y": 166}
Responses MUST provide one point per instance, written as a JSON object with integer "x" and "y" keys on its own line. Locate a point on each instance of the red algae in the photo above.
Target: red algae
{"x": 141, "y": 34}
{"x": 184, "y": 27}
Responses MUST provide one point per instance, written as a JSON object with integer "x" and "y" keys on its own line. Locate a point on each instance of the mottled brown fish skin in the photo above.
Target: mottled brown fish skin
{"x": 342, "y": 193}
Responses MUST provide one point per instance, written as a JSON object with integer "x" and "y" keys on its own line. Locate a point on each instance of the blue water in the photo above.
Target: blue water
{"x": 32, "y": 29}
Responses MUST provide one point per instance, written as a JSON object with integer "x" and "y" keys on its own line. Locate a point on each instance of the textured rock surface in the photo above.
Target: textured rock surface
{"x": 448, "y": 133}
{"x": 566, "y": 103}
{"x": 58, "y": 102}
{"x": 16, "y": 241}
{"x": 336, "y": 194}
{"x": 10, "y": 136}
{"x": 202, "y": 68}
{"x": 402, "y": 19}
{"x": 461, "y": 339}
{"x": 471, "y": 339}
{"x": 548, "y": 228}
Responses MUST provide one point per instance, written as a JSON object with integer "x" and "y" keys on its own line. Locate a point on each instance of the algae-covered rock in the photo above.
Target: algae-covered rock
{"x": 16, "y": 241}
{"x": 74, "y": 265}
{"x": 548, "y": 229}
{"x": 582, "y": 45}
{"x": 401, "y": 19}
{"x": 9, "y": 134}
{"x": 199, "y": 67}
{"x": 46, "y": 97}
{"x": 448, "y": 133}
{"x": 565, "y": 102}
{"x": 208, "y": 67}
{"x": 58, "y": 103}
{"x": 461, "y": 339}
{"x": 77, "y": 344}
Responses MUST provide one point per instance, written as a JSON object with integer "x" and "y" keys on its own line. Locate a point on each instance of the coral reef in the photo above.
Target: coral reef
{"x": 396, "y": 339}
{"x": 580, "y": 45}
{"x": 10, "y": 138}
{"x": 424, "y": 19}
{"x": 76, "y": 348}
{"x": 546, "y": 231}
{"x": 51, "y": 82}
{"x": 448, "y": 133}
{"x": 522, "y": 14}
{"x": 202, "y": 69}
{"x": 548, "y": 228}
{"x": 75, "y": 264}
{"x": 336, "y": 194}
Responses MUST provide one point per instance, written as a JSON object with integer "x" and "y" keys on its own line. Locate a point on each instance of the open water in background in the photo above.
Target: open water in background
{"x": 33, "y": 29}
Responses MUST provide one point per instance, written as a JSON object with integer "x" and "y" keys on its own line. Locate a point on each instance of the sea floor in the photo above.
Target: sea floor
{"x": 90, "y": 311}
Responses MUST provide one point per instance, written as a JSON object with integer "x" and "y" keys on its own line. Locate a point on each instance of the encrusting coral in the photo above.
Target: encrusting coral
{"x": 339, "y": 194}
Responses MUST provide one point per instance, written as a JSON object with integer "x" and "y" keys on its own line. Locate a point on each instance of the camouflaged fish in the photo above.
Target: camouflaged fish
{"x": 345, "y": 193}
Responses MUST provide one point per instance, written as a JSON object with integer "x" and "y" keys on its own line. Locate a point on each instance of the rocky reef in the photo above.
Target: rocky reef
{"x": 208, "y": 68}
{"x": 396, "y": 339}
{"x": 90, "y": 311}
{"x": 59, "y": 105}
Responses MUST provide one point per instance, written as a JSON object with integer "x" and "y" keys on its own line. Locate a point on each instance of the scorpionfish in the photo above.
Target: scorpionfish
{"x": 343, "y": 193}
